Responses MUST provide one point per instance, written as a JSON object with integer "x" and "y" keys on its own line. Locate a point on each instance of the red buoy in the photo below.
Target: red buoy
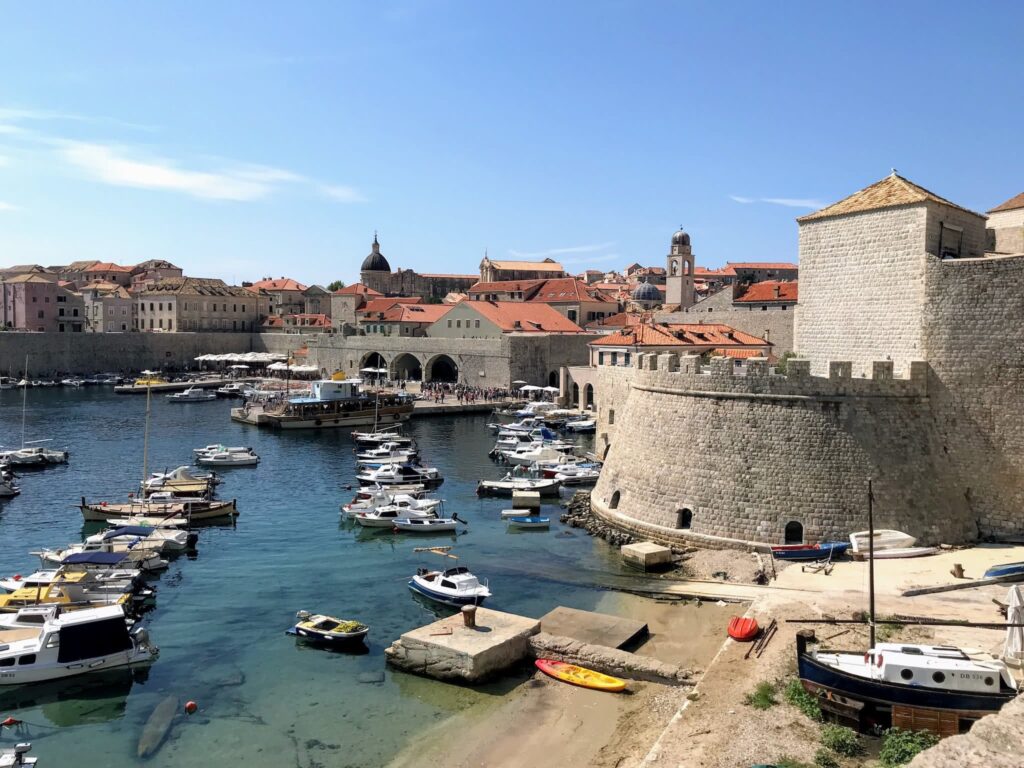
{"x": 743, "y": 629}
{"x": 191, "y": 707}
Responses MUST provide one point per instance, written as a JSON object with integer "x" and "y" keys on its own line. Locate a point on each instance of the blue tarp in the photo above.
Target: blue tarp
{"x": 128, "y": 530}
{"x": 94, "y": 558}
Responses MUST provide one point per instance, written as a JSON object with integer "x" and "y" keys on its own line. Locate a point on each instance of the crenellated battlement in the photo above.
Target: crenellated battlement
{"x": 688, "y": 374}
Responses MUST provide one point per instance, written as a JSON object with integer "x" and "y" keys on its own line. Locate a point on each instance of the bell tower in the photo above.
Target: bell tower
{"x": 679, "y": 270}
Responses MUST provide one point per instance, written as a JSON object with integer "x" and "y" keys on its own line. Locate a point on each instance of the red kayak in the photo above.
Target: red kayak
{"x": 743, "y": 629}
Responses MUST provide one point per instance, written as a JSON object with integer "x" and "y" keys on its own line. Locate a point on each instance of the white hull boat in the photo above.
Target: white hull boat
{"x": 144, "y": 559}
{"x": 227, "y": 459}
{"x": 455, "y": 587}
{"x": 397, "y": 474}
{"x": 508, "y": 485}
{"x": 60, "y": 644}
{"x": 157, "y": 539}
{"x": 888, "y": 545}
{"x": 8, "y": 489}
{"x": 425, "y": 525}
{"x": 192, "y": 395}
{"x": 582, "y": 427}
{"x": 380, "y": 438}
{"x": 578, "y": 476}
{"x": 384, "y": 517}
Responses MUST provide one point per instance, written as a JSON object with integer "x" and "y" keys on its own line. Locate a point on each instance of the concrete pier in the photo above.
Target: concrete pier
{"x": 646, "y": 555}
{"x": 449, "y": 650}
{"x": 593, "y": 628}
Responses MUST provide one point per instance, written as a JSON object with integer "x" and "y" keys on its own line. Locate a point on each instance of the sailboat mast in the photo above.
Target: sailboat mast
{"x": 24, "y": 392}
{"x": 145, "y": 443}
{"x": 871, "y": 566}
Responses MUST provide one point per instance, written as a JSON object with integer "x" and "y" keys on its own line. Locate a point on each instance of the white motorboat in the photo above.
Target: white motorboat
{"x": 17, "y": 756}
{"x": 392, "y": 474}
{"x": 8, "y": 489}
{"x": 380, "y": 437}
{"x": 72, "y": 382}
{"x": 384, "y": 517}
{"x": 227, "y": 459}
{"x": 234, "y": 389}
{"x": 151, "y": 522}
{"x": 221, "y": 448}
{"x": 508, "y": 484}
{"x": 382, "y": 498}
{"x": 100, "y": 580}
{"x": 183, "y": 476}
{"x": 192, "y": 395}
{"x": 425, "y": 524}
{"x": 527, "y": 455}
{"x": 158, "y": 539}
{"x": 581, "y": 426}
{"x": 47, "y": 643}
{"x": 135, "y": 554}
{"x": 888, "y": 545}
{"x": 455, "y": 586}
{"x": 572, "y": 475}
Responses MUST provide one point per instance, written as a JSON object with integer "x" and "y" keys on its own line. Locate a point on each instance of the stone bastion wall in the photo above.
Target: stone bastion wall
{"x": 708, "y": 454}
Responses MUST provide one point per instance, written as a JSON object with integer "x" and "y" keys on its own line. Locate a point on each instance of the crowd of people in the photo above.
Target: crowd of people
{"x": 442, "y": 391}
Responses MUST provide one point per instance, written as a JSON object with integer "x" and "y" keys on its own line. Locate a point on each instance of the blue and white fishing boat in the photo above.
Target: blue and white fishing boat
{"x": 455, "y": 586}
{"x": 1007, "y": 571}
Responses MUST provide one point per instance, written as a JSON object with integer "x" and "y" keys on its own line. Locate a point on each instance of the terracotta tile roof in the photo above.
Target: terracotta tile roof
{"x": 280, "y": 284}
{"x": 273, "y": 321}
{"x": 99, "y": 285}
{"x": 29, "y": 278}
{"x": 741, "y": 354}
{"x": 734, "y": 265}
{"x": 196, "y": 286}
{"x": 682, "y": 334}
{"x": 505, "y": 286}
{"x": 417, "y": 313}
{"x": 357, "y": 289}
{"x": 537, "y": 266}
{"x": 890, "y": 192}
{"x": 567, "y": 289}
{"x": 107, "y": 266}
{"x": 1010, "y": 205}
{"x": 523, "y": 316}
{"x": 765, "y": 292}
{"x": 382, "y": 305}
{"x": 311, "y": 320}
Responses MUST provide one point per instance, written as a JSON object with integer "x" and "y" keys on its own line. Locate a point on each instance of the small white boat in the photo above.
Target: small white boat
{"x": 227, "y": 459}
{"x": 455, "y": 587}
{"x": 425, "y": 524}
{"x": 380, "y": 437}
{"x": 527, "y": 455}
{"x": 181, "y": 476}
{"x": 381, "y": 498}
{"x": 508, "y": 484}
{"x": 90, "y": 640}
{"x": 581, "y": 426}
{"x": 384, "y": 517}
{"x": 192, "y": 395}
{"x": 8, "y": 489}
{"x": 221, "y": 448}
{"x": 158, "y": 539}
{"x": 529, "y": 521}
{"x": 72, "y": 382}
{"x": 35, "y": 456}
{"x": 134, "y": 556}
{"x": 888, "y": 545}
{"x": 388, "y": 453}
{"x": 577, "y": 476}
{"x": 394, "y": 474}
{"x": 234, "y": 389}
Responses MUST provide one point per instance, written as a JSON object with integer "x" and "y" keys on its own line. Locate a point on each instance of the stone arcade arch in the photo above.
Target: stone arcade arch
{"x": 442, "y": 368}
{"x": 794, "y": 533}
{"x": 553, "y": 379}
{"x": 588, "y": 396}
{"x": 372, "y": 360}
{"x": 407, "y": 367}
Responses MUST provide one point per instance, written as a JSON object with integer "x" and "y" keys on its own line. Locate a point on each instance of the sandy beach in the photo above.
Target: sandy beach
{"x": 541, "y": 722}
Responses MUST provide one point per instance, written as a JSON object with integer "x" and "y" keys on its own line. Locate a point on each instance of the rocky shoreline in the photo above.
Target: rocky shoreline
{"x": 577, "y": 514}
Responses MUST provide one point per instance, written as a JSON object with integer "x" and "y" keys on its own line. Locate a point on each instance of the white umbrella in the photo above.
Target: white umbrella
{"x": 530, "y": 388}
{"x": 517, "y": 381}
{"x": 367, "y": 370}
{"x": 1013, "y": 648}
{"x": 239, "y": 366}
{"x": 552, "y": 389}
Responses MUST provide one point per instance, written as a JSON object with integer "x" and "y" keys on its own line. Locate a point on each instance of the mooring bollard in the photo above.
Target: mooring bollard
{"x": 958, "y": 570}
{"x": 469, "y": 615}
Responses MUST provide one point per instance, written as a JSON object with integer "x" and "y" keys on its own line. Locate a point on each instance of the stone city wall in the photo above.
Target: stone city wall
{"x": 972, "y": 341}
{"x": 747, "y": 454}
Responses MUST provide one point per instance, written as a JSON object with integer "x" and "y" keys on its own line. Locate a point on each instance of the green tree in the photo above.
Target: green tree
{"x": 337, "y": 285}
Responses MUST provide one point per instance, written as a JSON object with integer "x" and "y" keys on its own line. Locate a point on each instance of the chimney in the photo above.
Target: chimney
{"x": 516, "y": 324}
{"x": 775, "y": 290}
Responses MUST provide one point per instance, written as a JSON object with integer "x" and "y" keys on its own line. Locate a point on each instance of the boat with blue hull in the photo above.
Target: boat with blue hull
{"x": 455, "y": 587}
{"x": 1006, "y": 571}
{"x": 825, "y": 550}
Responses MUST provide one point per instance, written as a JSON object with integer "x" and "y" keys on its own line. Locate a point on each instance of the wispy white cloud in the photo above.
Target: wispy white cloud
{"x": 592, "y": 248}
{"x": 112, "y": 165}
{"x": 22, "y": 114}
{"x": 8, "y": 207}
{"x": 342, "y": 193}
{"x": 789, "y": 202}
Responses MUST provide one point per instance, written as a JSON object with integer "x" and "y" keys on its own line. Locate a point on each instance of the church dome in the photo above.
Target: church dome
{"x": 646, "y": 292}
{"x": 680, "y": 238}
{"x": 375, "y": 261}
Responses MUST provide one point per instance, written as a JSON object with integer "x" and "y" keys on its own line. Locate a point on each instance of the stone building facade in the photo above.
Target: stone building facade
{"x": 1006, "y": 226}
{"x": 376, "y": 274}
{"x": 905, "y": 377}
{"x": 196, "y": 304}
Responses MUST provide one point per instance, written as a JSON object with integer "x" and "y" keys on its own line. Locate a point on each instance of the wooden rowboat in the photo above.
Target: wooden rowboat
{"x": 581, "y": 676}
{"x": 809, "y": 551}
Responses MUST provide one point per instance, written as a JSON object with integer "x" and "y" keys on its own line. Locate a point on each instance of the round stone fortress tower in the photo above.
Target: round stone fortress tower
{"x": 909, "y": 374}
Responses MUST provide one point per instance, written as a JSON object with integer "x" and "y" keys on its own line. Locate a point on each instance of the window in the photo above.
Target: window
{"x": 477, "y": 324}
{"x": 170, "y": 324}
{"x": 951, "y": 241}
{"x": 447, "y": 584}
{"x": 684, "y": 518}
{"x": 625, "y": 358}
{"x": 611, "y": 415}
{"x": 41, "y": 314}
{"x": 161, "y": 322}
{"x": 8, "y": 662}
{"x": 243, "y": 307}
{"x": 572, "y": 315}
{"x": 161, "y": 306}
{"x": 151, "y": 306}
{"x": 764, "y": 307}
{"x": 907, "y": 674}
{"x": 449, "y": 323}
{"x": 34, "y": 299}
{"x": 614, "y": 504}
{"x": 675, "y": 267}
{"x": 615, "y": 358}
{"x": 60, "y": 328}
{"x": 458, "y": 323}
{"x": 60, "y": 312}
{"x": 234, "y": 307}
{"x": 110, "y": 311}
{"x": 939, "y": 677}
{"x": 27, "y": 659}
{"x": 46, "y": 299}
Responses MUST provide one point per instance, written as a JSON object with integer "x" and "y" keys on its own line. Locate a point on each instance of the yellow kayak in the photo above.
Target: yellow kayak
{"x": 581, "y": 676}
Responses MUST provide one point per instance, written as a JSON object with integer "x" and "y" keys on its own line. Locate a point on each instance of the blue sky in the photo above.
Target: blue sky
{"x": 244, "y": 139}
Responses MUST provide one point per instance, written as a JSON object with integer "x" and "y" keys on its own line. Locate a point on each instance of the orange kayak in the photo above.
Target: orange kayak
{"x": 743, "y": 629}
{"x": 581, "y": 676}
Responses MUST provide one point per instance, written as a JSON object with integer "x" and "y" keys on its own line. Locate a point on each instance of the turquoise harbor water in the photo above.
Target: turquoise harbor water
{"x": 220, "y": 617}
